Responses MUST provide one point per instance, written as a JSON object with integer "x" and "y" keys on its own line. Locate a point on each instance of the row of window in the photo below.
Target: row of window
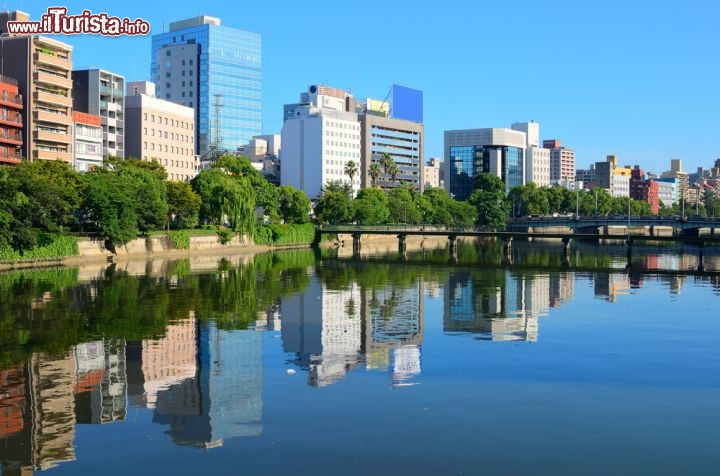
{"x": 340, "y": 153}
{"x": 344, "y": 135}
{"x": 165, "y": 135}
{"x": 182, "y": 73}
{"x": 349, "y": 145}
{"x": 342, "y": 125}
{"x": 172, "y": 149}
{"x": 172, "y": 122}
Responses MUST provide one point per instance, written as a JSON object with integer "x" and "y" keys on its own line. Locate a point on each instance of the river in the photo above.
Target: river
{"x": 313, "y": 363}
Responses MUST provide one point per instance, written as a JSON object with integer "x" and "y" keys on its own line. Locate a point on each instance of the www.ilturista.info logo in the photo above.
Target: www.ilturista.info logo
{"x": 57, "y": 22}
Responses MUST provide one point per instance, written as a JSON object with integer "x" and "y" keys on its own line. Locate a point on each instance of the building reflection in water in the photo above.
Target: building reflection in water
{"x": 203, "y": 382}
{"x": 503, "y": 306}
{"x": 42, "y": 401}
{"x": 334, "y": 331}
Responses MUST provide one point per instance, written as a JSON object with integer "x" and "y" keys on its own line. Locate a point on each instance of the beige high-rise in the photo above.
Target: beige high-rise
{"x": 42, "y": 67}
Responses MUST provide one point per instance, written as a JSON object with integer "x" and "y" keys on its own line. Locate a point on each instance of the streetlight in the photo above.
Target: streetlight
{"x": 577, "y": 202}
{"x": 596, "y": 212}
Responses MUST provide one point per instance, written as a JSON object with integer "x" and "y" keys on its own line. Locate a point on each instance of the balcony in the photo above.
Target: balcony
{"x": 52, "y": 98}
{"x": 52, "y": 78}
{"x": 52, "y": 59}
{"x": 11, "y": 137}
{"x": 10, "y": 157}
{"x": 40, "y": 154}
{"x": 47, "y": 136}
{"x": 52, "y": 117}
{"x": 11, "y": 100}
{"x": 10, "y": 118}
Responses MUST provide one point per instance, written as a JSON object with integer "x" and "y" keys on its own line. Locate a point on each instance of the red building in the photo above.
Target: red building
{"x": 645, "y": 190}
{"x": 653, "y": 198}
{"x": 11, "y": 123}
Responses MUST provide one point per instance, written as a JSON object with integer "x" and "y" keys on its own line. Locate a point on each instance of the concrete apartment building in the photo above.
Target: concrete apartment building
{"x": 88, "y": 141}
{"x": 683, "y": 181}
{"x": 562, "y": 162}
{"x": 264, "y": 153}
{"x": 469, "y": 152}
{"x": 320, "y": 135}
{"x": 433, "y": 173}
{"x": 402, "y": 140}
{"x": 102, "y": 93}
{"x": 42, "y": 67}
{"x": 160, "y": 130}
{"x": 11, "y": 122}
{"x": 537, "y": 159}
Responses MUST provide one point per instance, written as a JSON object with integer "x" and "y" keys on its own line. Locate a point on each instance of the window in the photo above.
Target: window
{"x": 167, "y": 75}
{"x": 190, "y": 93}
{"x": 183, "y": 72}
{"x": 183, "y": 62}
{"x": 167, "y": 52}
{"x": 144, "y": 145}
{"x": 191, "y": 62}
{"x": 183, "y": 84}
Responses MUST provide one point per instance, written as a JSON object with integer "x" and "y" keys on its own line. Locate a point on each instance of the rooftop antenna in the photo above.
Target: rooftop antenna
{"x": 218, "y": 106}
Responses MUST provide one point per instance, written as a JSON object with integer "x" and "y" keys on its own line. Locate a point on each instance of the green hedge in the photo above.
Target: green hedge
{"x": 179, "y": 240}
{"x": 284, "y": 234}
{"x": 49, "y": 246}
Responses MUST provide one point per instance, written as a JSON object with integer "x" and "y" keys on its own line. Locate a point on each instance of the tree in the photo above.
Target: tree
{"x": 351, "y": 170}
{"x": 202, "y": 184}
{"x": 266, "y": 194}
{"x": 401, "y": 206}
{"x": 15, "y": 210}
{"x": 371, "y": 207}
{"x": 54, "y": 190}
{"x": 152, "y": 166}
{"x": 334, "y": 208}
{"x": 109, "y": 207}
{"x": 488, "y": 198}
{"x": 336, "y": 186}
{"x": 183, "y": 205}
{"x": 374, "y": 172}
{"x": 294, "y": 205}
{"x": 439, "y": 200}
{"x": 712, "y": 203}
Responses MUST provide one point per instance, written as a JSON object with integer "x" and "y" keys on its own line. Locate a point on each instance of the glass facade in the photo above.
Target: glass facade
{"x": 469, "y": 160}
{"x": 223, "y": 83}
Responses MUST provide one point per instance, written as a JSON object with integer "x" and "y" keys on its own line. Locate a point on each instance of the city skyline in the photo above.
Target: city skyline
{"x": 609, "y": 79}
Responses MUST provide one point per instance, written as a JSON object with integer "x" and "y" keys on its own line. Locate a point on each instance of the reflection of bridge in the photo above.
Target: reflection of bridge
{"x": 603, "y": 232}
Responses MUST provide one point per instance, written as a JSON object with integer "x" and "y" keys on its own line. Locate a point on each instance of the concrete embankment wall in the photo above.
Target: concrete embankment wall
{"x": 89, "y": 248}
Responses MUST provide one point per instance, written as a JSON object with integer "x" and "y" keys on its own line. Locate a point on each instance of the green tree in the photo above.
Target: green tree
{"x": 334, "y": 208}
{"x": 55, "y": 191}
{"x": 402, "y": 207}
{"x": 109, "y": 207}
{"x": 371, "y": 207}
{"x": 15, "y": 210}
{"x": 374, "y": 172}
{"x": 336, "y": 186}
{"x": 294, "y": 205}
{"x": 183, "y": 205}
{"x": 266, "y": 194}
{"x": 152, "y": 166}
{"x": 203, "y": 184}
{"x": 351, "y": 170}
{"x": 488, "y": 198}
{"x": 712, "y": 203}
{"x": 439, "y": 201}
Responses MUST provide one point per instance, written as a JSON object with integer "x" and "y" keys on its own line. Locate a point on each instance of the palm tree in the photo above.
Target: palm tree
{"x": 374, "y": 172}
{"x": 386, "y": 162}
{"x": 351, "y": 170}
{"x": 393, "y": 171}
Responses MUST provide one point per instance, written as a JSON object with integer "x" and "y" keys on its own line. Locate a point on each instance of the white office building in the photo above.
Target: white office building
{"x": 320, "y": 135}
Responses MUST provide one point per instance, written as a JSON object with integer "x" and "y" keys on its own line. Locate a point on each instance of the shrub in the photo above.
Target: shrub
{"x": 224, "y": 235}
{"x": 179, "y": 240}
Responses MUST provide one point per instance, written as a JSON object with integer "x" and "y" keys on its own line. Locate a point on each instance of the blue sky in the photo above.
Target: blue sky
{"x": 634, "y": 78}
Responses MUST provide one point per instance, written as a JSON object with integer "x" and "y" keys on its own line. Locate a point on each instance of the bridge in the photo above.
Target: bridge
{"x": 631, "y": 235}
{"x": 689, "y": 225}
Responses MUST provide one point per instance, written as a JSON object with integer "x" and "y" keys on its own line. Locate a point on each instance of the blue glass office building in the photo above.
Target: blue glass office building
{"x": 217, "y": 70}
{"x": 470, "y": 152}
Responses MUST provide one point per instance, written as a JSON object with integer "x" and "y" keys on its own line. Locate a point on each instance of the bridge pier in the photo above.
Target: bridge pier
{"x": 566, "y": 251}
{"x": 452, "y": 239}
{"x": 402, "y": 245}
{"x": 356, "y": 244}
{"x": 507, "y": 250}
{"x": 701, "y": 265}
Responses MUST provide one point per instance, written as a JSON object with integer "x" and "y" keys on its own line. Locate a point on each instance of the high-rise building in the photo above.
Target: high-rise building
{"x": 320, "y": 136}
{"x": 537, "y": 159}
{"x": 88, "y": 146}
{"x": 102, "y": 93}
{"x": 217, "y": 71}
{"x": 42, "y": 67}
{"x": 160, "y": 130}
{"x": 562, "y": 162}
{"x": 11, "y": 122}
{"x": 469, "y": 152}
{"x": 402, "y": 141}
{"x": 682, "y": 178}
